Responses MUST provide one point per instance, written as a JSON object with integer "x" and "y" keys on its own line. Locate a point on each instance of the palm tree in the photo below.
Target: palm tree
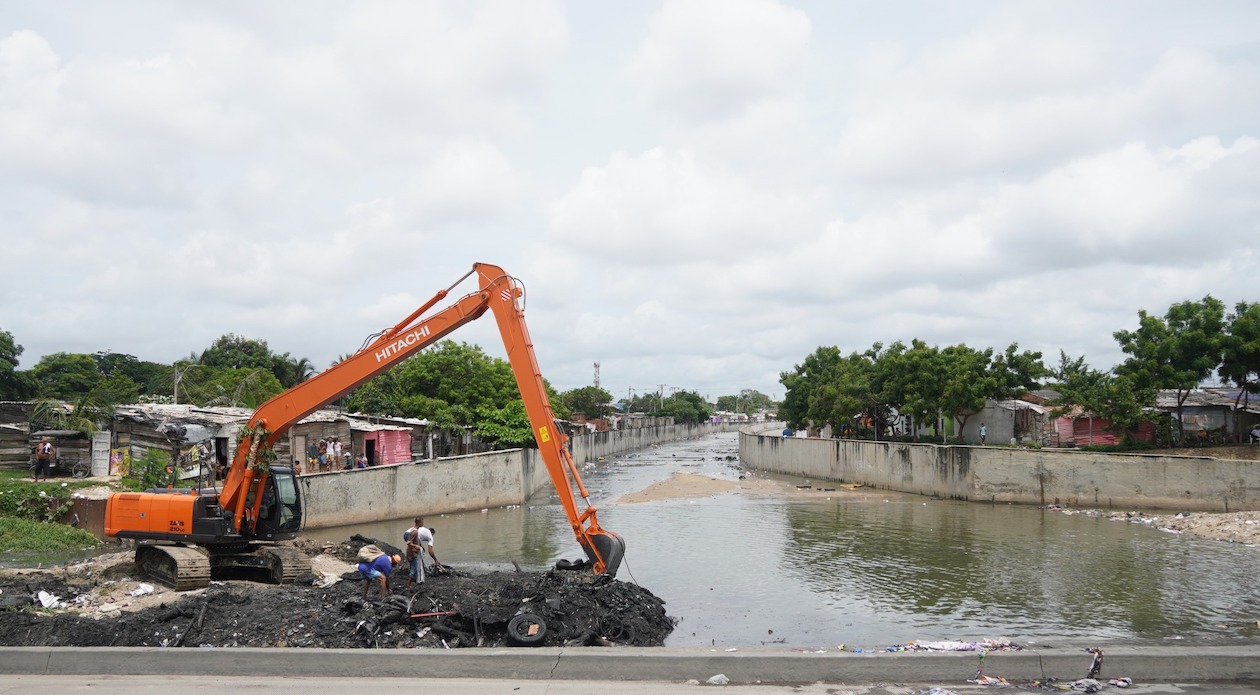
{"x": 87, "y": 414}
{"x": 291, "y": 372}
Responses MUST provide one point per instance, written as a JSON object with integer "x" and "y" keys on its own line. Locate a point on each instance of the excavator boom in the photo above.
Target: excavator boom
{"x": 503, "y": 296}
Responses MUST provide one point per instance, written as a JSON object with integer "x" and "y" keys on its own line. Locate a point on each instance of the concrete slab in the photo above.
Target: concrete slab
{"x": 759, "y": 665}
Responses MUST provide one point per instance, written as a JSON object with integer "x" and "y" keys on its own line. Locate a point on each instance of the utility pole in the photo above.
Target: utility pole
{"x": 597, "y": 375}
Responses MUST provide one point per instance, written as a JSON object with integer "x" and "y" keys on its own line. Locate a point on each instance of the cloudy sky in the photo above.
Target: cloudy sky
{"x": 696, "y": 194}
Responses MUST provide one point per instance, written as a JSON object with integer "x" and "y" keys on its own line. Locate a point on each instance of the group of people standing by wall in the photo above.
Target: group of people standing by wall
{"x": 329, "y": 455}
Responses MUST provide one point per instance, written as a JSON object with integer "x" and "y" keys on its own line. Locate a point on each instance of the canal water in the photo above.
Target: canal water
{"x": 866, "y": 570}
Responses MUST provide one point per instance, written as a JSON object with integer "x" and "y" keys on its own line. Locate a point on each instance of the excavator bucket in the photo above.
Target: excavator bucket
{"x": 606, "y": 548}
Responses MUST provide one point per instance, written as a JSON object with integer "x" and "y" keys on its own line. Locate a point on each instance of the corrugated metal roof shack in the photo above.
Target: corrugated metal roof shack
{"x": 383, "y": 440}
{"x": 192, "y": 434}
{"x": 17, "y": 440}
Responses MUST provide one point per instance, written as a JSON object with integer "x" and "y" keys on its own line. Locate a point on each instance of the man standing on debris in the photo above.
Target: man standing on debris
{"x": 45, "y": 454}
{"x": 416, "y": 537}
{"x": 374, "y": 564}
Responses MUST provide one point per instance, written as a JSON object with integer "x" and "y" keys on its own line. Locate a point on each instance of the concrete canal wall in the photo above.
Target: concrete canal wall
{"x": 1011, "y": 474}
{"x": 463, "y": 483}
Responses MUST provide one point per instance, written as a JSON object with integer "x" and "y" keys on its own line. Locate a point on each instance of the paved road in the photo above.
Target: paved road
{"x": 196, "y": 685}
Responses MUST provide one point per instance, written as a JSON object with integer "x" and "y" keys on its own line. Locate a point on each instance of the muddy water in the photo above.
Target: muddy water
{"x": 869, "y": 570}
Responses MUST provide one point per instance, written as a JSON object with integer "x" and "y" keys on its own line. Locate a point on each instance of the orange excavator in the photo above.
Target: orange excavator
{"x": 185, "y": 534}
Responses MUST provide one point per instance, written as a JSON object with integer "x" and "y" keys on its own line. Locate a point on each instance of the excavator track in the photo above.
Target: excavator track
{"x": 287, "y": 563}
{"x": 178, "y": 567}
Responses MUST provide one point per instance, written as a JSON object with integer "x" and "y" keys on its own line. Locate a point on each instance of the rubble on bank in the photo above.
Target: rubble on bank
{"x": 1230, "y": 527}
{"x": 326, "y": 609}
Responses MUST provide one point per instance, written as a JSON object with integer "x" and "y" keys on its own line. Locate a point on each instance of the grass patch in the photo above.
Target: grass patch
{"x": 10, "y": 475}
{"x": 24, "y": 535}
{"x": 33, "y": 501}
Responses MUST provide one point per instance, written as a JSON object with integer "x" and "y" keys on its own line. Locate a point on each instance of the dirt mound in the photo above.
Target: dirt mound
{"x": 449, "y": 610}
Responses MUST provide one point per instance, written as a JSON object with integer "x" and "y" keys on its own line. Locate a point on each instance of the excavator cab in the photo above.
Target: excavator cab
{"x": 280, "y": 515}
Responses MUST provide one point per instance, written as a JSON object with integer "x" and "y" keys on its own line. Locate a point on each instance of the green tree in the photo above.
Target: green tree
{"x": 150, "y": 378}
{"x": 1177, "y": 352}
{"x": 849, "y": 393}
{"x": 1076, "y": 383}
{"x": 811, "y": 391}
{"x": 292, "y": 371}
{"x": 594, "y": 401}
{"x": 118, "y": 388}
{"x": 505, "y": 427}
{"x": 914, "y": 380}
{"x": 686, "y": 407}
{"x": 747, "y": 401}
{"x": 14, "y": 384}
{"x": 649, "y": 403}
{"x": 449, "y": 384}
{"x": 66, "y": 375}
{"x": 831, "y": 389}
{"x": 1240, "y": 351}
{"x": 226, "y": 386}
{"x": 235, "y": 352}
{"x": 1116, "y": 399}
{"x": 1016, "y": 372}
{"x": 458, "y": 374}
{"x": 380, "y": 395}
{"x": 969, "y": 381}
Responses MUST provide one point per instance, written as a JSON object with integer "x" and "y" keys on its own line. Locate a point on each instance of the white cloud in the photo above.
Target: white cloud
{"x": 465, "y": 181}
{"x": 1011, "y": 100}
{"x": 631, "y": 209}
{"x": 696, "y": 194}
{"x": 711, "y": 59}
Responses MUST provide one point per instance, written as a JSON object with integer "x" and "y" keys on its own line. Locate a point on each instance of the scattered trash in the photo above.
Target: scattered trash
{"x": 1086, "y": 685}
{"x": 719, "y": 679}
{"x": 1123, "y": 682}
{"x": 47, "y": 600}
{"x": 141, "y": 590}
{"x": 326, "y": 580}
{"x": 987, "y": 645}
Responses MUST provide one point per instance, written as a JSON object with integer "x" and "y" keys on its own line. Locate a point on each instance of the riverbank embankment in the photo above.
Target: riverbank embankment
{"x": 1017, "y": 475}
{"x": 464, "y": 483}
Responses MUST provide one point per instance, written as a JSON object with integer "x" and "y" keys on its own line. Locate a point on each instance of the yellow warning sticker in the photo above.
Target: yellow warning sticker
{"x": 543, "y": 434}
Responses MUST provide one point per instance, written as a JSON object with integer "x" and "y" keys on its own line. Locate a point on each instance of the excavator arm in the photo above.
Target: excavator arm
{"x": 503, "y": 296}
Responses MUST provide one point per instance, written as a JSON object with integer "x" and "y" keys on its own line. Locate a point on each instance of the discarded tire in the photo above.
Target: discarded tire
{"x": 526, "y": 630}
{"x": 563, "y": 564}
{"x": 611, "y": 627}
